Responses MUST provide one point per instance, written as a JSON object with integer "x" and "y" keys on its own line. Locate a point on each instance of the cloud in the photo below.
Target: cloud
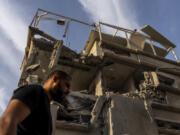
{"x": 8, "y": 82}
{"x": 10, "y": 57}
{"x": 116, "y": 12}
{"x": 3, "y": 100}
{"x": 13, "y": 33}
{"x": 2, "y": 97}
{"x": 12, "y": 24}
{"x": 9, "y": 72}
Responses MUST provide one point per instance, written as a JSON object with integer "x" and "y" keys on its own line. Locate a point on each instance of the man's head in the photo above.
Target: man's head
{"x": 57, "y": 85}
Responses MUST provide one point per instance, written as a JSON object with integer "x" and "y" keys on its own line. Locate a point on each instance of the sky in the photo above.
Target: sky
{"x": 16, "y": 15}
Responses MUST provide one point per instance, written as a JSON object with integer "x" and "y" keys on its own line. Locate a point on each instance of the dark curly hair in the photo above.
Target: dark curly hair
{"x": 61, "y": 74}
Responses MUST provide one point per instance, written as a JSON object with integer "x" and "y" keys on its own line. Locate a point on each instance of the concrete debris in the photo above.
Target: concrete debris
{"x": 78, "y": 108}
{"x": 97, "y": 109}
{"x": 32, "y": 67}
{"x": 55, "y": 54}
{"x": 83, "y": 96}
{"x": 32, "y": 79}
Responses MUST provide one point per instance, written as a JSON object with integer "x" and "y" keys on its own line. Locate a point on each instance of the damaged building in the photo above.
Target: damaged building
{"x": 121, "y": 85}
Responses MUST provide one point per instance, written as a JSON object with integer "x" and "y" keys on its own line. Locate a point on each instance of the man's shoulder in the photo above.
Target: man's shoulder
{"x": 32, "y": 88}
{"x": 30, "y": 95}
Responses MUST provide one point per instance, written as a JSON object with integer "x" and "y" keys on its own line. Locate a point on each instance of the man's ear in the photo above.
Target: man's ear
{"x": 55, "y": 78}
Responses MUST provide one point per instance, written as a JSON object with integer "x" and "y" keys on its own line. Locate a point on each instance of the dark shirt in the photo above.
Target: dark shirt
{"x": 39, "y": 121}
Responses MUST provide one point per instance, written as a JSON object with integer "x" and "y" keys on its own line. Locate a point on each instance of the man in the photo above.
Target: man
{"x": 28, "y": 112}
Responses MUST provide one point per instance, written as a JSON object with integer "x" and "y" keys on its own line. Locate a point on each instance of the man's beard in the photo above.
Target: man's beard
{"x": 57, "y": 95}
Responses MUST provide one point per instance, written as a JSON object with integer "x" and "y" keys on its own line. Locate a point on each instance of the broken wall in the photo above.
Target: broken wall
{"x": 127, "y": 116}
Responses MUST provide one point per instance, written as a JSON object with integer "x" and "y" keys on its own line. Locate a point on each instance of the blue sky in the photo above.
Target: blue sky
{"x": 16, "y": 15}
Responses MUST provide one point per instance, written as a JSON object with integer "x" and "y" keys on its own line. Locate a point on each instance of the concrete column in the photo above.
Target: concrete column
{"x": 99, "y": 87}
